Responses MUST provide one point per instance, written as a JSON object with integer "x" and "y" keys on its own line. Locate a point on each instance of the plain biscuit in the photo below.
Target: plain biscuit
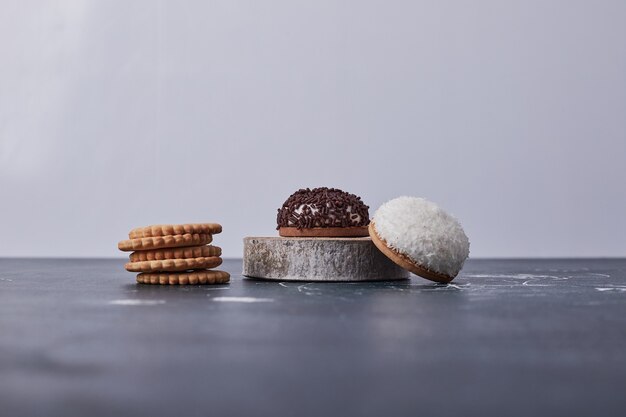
{"x": 184, "y": 278}
{"x": 175, "y": 253}
{"x": 161, "y": 242}
{"x": 175, "y": 229}
{"x": 172, "y": 265}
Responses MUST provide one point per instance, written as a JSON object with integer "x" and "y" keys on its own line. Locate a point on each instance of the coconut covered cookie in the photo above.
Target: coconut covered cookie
{"x": 323, "y": 212}
{"x": 421, "y": 237}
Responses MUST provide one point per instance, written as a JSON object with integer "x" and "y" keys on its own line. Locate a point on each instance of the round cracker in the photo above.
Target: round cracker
{"x": 184, "y": 278}
{"x": 162, "y": 242}
{"x": 175, "y": 229}
{"x": 173, "y": 265}
{"x": 175, "y": 253}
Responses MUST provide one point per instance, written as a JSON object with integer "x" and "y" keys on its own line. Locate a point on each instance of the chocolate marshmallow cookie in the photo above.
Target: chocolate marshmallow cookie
{"x": 323, "y": 212}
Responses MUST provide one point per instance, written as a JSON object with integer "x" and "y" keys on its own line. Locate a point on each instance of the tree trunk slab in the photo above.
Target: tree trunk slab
{"x": 317, "y": 259}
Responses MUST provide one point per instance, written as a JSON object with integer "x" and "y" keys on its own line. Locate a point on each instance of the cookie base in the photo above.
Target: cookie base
{"x": 404, "y": 261}
{"x": 359, "y": 231}
{"x": 319, "y": 259}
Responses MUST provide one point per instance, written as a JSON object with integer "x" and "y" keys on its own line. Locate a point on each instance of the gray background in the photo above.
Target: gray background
{"x": 114, "y": 114}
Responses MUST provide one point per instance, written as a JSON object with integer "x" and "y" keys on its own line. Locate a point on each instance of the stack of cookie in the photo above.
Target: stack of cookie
{"x": 175, "y": 254}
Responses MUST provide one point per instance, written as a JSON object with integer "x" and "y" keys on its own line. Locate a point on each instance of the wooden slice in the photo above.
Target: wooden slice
{"x": 317, "y": 259}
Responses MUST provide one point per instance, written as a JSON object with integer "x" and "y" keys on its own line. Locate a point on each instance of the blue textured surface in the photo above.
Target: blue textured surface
{"x": 508, "y": 337}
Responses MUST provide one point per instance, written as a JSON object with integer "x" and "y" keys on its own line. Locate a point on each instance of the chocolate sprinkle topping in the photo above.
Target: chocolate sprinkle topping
{"x": 322, "y": 207}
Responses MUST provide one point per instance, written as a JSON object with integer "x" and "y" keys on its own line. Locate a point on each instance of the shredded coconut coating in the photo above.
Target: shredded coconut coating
{"x": 424, "y": 232}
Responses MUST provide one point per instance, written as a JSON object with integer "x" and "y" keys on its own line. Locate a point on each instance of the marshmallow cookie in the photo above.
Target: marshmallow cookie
{"x": 323, "y": 238}
{"x": 421, "y": 237}
{"x": 323, "y": 212}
